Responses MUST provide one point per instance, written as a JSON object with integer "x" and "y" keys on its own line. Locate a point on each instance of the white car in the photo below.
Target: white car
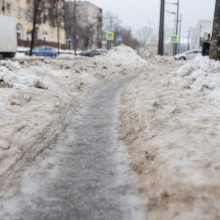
{"x": 188, "y": 55}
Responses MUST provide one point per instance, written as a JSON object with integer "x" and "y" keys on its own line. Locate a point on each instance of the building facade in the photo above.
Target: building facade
{"x": 22, "y": 11}
{"x": 201, "y": 32}
{"x": 86, "y": 20}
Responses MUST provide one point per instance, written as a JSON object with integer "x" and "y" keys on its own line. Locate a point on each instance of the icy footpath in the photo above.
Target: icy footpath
{"x": 171, "y": 121}
{"x": 35, "y": 97}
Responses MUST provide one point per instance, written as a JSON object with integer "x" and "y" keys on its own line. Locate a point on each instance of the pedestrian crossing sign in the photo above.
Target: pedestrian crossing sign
{"x": 174, "y": 39}
{"x": 110, "y": 36}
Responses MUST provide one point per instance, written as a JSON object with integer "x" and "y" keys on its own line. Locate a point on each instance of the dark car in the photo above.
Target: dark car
{"x": 45, "y": 51}
{"x": 90, "y": 53}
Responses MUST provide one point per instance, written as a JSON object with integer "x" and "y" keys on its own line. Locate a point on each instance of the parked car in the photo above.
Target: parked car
{"x": 188, "y": 55}
{"x": 8, "y": 37}
{"x": 90, "y": 53}
{"x": 45, "y": 51}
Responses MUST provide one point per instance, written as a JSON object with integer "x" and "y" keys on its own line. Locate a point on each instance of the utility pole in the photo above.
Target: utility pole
{"x": 177, "y": 25}
{"x": 161, "y": 29}
{"x": 110, "y": 24}
{"x": 180, "y": 30}
{"x": 188, "y": 38}
{"x": 74, "y": 28}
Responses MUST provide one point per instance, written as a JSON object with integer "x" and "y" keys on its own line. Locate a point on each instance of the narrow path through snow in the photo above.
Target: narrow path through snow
{"x": 86, "y": 175}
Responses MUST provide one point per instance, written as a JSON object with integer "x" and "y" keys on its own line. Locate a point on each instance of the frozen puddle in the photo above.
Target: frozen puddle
{"x": 86, "y": 175}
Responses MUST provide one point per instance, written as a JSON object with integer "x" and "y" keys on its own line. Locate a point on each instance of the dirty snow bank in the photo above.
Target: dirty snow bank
{"x": 171, "y": 122}
{"x": 12, "y": 75}
{"x": 200, "y": 75}
{"x": 124, "y": 55}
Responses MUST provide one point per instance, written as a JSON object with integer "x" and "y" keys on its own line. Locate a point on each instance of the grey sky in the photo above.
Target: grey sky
{"x": 139, "y": 13}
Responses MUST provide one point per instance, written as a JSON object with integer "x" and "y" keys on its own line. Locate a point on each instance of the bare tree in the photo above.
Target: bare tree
{"x": 56, "y": 18}
{"x": 127, "y": 36}
{"x": 87, "y": 35}
{"x": 144, "y": 35}
{"x": 36, "y": 11}
{"x": 45, "y": 11}
{"x": 111, "y": 22}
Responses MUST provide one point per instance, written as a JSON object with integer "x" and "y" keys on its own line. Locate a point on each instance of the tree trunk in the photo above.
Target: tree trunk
{"x": 215, "y": 43}
{"x": 36, "y": 5}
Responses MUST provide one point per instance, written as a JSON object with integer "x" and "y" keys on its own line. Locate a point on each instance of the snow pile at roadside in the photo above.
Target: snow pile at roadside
{"x": 171, "y": 123}
{"x": 20, "y": 55}
{"x": 12, "y": 76}
{"x": 125, "y": 55}
{"x": 201, "y": 75}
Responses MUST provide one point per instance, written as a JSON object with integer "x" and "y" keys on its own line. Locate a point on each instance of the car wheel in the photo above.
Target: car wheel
{"x": 182, "y": 58}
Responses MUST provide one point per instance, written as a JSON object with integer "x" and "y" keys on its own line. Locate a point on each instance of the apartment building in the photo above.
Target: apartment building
{"x": 87, "y": 24}
{"x": 22, "y": 10}
{"x": 199, "y": 33}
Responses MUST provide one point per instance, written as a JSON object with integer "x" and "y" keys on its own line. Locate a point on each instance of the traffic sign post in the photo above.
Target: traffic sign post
{"x": 110, "y": 37}
{"x": 119, "y": 39}
{"x": 174, "y": 39}
{"x": 69, "y": 41}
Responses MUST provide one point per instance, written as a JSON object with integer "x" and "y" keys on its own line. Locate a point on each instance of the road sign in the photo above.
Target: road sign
{"x": 110, "y": 36}
{"x": 119, "y": 39}
{"x": 174, "y": 39}
{"x": 69, "y": 40}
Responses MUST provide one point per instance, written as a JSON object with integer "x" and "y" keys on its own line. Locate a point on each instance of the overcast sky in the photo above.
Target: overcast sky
{"x": 139, "y": 13}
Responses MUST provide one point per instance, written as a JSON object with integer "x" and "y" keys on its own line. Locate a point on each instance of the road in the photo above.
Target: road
{"x": 86, "y": 175}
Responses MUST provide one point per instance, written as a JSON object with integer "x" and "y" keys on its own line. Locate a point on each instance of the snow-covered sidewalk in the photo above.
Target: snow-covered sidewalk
{"x": 171, "y": 122}
{"x": 35, "y": 95}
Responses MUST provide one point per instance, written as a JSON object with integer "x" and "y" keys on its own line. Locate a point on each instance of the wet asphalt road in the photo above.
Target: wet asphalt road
{"x": 86, "y": 175}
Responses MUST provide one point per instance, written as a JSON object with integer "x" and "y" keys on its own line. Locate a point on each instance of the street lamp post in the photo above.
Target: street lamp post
{"x": 180, "y": 33}
{"x": 173, "y": 13}
{"x": 177, "y": 23}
